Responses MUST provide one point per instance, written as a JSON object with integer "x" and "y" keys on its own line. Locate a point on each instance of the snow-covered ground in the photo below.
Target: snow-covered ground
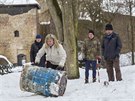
{"x": 76, "y": 89}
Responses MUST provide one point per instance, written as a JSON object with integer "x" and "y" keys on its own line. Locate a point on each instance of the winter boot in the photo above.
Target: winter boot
{"x": 94, "y": 80}
{"x": 86, "y": 81}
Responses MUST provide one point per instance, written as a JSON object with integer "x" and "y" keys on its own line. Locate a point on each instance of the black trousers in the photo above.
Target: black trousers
{"x": 50, "y": 65}
{"x": 56, "y": 67}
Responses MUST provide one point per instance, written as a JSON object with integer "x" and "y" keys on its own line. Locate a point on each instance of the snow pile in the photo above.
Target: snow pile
{"x": 17, "y": 69}
{"x": 3, "y": 57}
{"x": 126, "y": 59}
{"x": 18, "y": 2}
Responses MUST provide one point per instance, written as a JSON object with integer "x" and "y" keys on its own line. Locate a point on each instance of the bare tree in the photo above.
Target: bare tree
{"x": 111, "y": 9}
{"x": 56, "y": 14}
{"x": 92, "y": 9}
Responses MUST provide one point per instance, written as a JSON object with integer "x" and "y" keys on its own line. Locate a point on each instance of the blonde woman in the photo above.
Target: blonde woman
{"x": 55, "y": 53}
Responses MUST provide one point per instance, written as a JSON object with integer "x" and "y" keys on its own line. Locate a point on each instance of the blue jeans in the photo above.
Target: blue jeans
{"x": 90, "y": 64}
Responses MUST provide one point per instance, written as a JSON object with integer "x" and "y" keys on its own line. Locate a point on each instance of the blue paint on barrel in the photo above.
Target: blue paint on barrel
{"x": 39, "y": 80}
{"x": 42, "y": 78}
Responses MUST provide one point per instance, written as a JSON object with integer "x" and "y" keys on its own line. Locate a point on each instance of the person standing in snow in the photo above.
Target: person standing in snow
{"x": 91, "y": 49}
{"x": 35, "y": 47}
{"x": 55, "y": 53}
{"x": 111, "y": 47}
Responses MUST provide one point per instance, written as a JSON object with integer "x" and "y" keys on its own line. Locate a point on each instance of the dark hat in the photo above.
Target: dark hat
{"x": 38, "y": 36}
{"x": 91, "y": 31}
{"x": 108, "y": 27}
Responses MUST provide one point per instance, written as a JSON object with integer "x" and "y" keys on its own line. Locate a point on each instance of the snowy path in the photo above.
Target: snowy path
{"x": 76, "y": 89}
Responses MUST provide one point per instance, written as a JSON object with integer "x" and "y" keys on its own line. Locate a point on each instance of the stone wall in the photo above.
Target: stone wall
{"x": 121, "y": 26}
{"x": 44, "y": 15}
{"x": 26, "y": 24}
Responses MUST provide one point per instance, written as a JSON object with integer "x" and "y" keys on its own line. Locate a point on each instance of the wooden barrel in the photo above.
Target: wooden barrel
{"x": 44, "y": 81}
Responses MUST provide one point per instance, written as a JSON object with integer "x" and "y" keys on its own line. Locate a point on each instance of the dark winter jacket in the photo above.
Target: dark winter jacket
{"x": 111, "y": 46}
{"x": 35, "y": 47}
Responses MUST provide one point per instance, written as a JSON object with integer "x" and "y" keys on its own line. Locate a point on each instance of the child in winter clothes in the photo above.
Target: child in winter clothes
{"x": 91, "y": 49}
{"x": 35, "y": 47}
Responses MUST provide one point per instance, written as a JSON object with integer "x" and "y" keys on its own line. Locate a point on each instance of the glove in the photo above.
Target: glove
{"x": 61, "y": 64}
{"x": 59, "y": 68}
{"x": 84, "y": 59}
{"x": 37, "y": 61}
{"x": 37, "y": 64}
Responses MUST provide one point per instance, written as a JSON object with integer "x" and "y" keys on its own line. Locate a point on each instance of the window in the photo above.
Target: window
{"x": 16, "y": 33}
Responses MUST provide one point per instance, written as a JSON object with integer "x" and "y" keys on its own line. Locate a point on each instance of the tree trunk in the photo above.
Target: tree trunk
{"x": 56, "y": 15}
{"x": 75, "y": 4}
{"x": 132, "y": 33}
{"x": 70, "y": 42}
{"x": 66, "y": 24}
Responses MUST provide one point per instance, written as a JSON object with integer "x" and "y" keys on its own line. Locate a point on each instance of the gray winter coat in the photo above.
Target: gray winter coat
{"x": 111, "y": 46}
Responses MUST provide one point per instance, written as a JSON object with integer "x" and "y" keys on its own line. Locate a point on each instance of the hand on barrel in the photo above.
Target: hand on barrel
{"x": 36, "y": 62}
{"x": 33, "y": 63}
{"x": 60, "y": 68}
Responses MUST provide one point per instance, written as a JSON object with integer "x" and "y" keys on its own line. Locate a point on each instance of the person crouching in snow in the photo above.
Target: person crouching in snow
{"x": 91, "y": 49}
{"x": 55, "y": 53}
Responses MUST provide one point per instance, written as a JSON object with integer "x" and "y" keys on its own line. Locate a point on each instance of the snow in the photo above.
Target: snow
{"x": 7, "y": 2}
{"x": 1, "y": 56}
{"x": 125, "y": 59}
{"x": 19, "y": 2}
{"x": 54, "y": 89}
{"x": 84, "y": 16}
{"x": 76, "y": 89}
{"x": 45, "y": 23}
{"x": 118, "y": 5}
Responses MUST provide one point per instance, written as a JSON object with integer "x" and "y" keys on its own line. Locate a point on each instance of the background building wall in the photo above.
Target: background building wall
{"x": 121, "y": 25}
{"x": 26, "y": 24}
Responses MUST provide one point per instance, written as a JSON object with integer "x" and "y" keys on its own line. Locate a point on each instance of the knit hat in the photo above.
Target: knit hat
{"x": 108, "y": 27}
{"x": 38, "y": 36}
{"x": 91, "y": 31}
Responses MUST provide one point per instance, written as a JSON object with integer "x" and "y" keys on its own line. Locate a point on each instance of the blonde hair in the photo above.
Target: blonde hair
{"x": 51, "y": 36}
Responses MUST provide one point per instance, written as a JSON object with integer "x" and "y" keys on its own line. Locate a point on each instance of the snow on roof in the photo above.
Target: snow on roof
{"x": 19, "y": 2}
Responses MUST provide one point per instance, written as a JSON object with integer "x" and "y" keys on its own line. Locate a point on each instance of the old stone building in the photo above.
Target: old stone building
{"x": 18, "y": 28}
